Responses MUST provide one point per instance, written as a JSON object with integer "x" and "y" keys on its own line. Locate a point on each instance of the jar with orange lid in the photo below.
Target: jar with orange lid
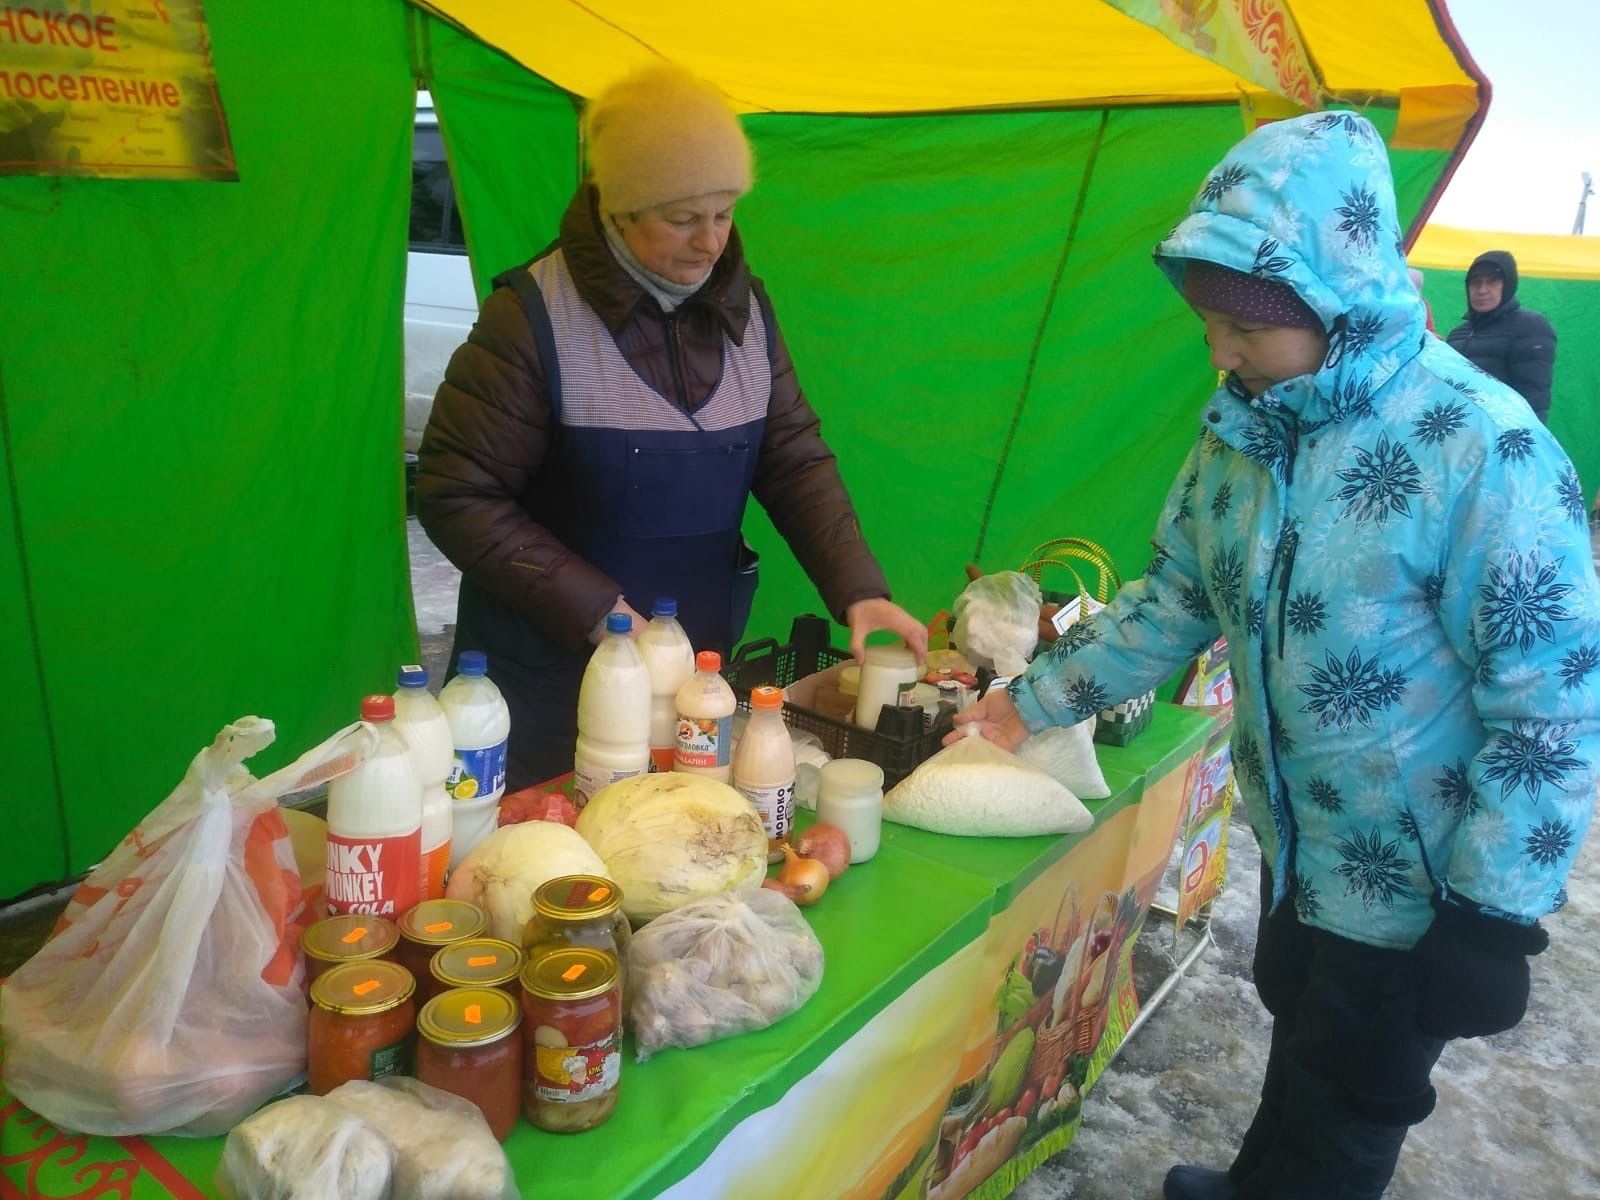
{"x": 480, "y": 962}
{"x": 468, "y": 1044}
{"x": 433, "y": 924}
{"x": 571, "y": 1038}
{"x": 362, "y": 1024}
{"x": 348, "y": 937}
{"x": 580, "y": 910}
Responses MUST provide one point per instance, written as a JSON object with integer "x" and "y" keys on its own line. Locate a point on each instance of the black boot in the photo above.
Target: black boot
{"x": 1197, "y": 1183}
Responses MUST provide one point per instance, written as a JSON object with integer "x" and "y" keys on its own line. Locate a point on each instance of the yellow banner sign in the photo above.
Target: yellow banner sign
{"x": 118, "y": 89}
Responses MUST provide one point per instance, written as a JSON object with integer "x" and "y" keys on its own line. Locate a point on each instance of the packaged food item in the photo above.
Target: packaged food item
{"x": 480, "y": 962}
{"x": 886, "y": 671}
{"x": 427, "y": 732}
{"x": 302, "y": 1147}
{"x": 705, "y": 705}
{"x": 349, "y": 937}
{"x": 580, "y": 910}
{"x": 572, "y": 1038}
{"x": 613, "y": 713}
{"x": 850, "y": 795}
{"x": 434, "y": 924}
{"x": 468, "y": 1045}
{"x": 480, "y": 726}
{"x": 375, "y": 826}
{"x": 974, "y": 787}
{"x": 669, "y": 657}
{"x": 362, "y": 1022}
{"x": 764, "y": 768}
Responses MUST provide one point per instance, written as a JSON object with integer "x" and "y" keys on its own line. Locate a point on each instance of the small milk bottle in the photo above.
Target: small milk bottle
{"x": 764, "y": 769}
{"x": 705, "y": 707}
{"x": 374, "y": 851}
{"x": 670, "y": 658}
{"x": 422, "y": 722}
{"x": 613, "y": 713}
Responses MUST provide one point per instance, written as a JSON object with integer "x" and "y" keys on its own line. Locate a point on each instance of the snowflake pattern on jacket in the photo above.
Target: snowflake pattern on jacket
{"x": 1392, "y": 548}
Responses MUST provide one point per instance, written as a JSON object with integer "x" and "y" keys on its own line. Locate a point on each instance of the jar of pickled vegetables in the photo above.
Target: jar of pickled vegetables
{"x": 571, "y": 1038}
{"x": 579, "y": 910}
{"x": 468, "y": 1044}
{"x": 434, "y": 924}
{"x": 480, "y": 962}
{"x": 362, "y": 1025}
{"x": 349, "y": 937}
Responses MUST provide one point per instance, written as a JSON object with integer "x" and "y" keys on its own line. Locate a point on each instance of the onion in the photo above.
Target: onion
{"x": 803, "y": 880}
{"x": 828, "y": 844}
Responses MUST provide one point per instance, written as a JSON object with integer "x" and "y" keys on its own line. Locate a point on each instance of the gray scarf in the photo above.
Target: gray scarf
{"x": 667, "y": 293}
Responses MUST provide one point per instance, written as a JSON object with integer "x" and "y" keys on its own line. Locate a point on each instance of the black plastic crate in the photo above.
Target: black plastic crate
{"x": 766, "y": 663}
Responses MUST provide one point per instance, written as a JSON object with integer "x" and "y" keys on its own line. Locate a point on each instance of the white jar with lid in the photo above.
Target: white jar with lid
{"x": 850, "y": 796}
{"x": 884, "y": 673}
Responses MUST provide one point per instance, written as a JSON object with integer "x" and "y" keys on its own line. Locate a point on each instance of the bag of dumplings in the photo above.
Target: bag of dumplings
{"x": 978, "y": 789}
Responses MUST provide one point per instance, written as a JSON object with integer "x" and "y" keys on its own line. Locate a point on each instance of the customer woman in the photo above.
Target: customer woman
{"x": 621, "y": 396}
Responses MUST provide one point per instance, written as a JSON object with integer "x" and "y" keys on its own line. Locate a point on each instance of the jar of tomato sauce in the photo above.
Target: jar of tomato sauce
{"x": 571, "y": 1038}
{"x": 580, "y": 910}
{"x": 431, "y": 925}
{"x": 349, "y": 937}
{"x": 468, "y": 1044}
{"x": 362, "y": 1024}
{"x": 480, "y": 962}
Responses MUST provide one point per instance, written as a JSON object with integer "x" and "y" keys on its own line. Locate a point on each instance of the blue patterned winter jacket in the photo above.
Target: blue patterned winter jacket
{"x": 1398, "y": 554}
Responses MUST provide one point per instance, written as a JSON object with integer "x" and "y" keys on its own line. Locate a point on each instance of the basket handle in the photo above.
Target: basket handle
{"x": 1062, "y": 551}
{"x": 759, "y": 646}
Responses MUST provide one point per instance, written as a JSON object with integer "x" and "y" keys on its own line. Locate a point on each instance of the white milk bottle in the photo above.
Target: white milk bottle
{"x": 670, "y": 659}
{"x": 422, "y": 722}
{"x": 764, "y": 768}
{"x": 613, "y": 713}
{"x": 480, "y": 725}
{"x": 705, "y": 705}
{"x": 374, "y": 851}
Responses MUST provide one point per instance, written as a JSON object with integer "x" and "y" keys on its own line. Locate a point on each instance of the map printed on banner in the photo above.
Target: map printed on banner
{"x": 114, "y": 90}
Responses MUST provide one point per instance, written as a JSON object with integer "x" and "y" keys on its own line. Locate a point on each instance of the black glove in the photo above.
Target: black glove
{"x": 1475, "y": 971}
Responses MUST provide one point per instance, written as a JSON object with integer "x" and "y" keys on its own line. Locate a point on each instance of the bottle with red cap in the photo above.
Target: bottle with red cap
{"x": 374, "y": 854}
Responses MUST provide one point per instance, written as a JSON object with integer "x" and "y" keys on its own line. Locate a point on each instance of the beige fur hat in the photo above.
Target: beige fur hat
{"x": 660, "y": 135}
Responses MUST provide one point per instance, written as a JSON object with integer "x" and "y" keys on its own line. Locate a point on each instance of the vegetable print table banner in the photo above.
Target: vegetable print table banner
{"x": 116, "y": 90}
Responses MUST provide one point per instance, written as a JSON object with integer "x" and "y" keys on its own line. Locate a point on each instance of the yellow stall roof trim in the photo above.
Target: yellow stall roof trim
{"x": 1538, "y": 255}
{"x": 857, "y": 56}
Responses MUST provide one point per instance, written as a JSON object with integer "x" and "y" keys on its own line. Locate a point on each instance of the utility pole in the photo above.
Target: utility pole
{"x": 1583, "y": 202}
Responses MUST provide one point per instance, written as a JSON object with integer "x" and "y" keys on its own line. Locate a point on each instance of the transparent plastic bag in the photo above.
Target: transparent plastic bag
{"x": 130, "y": 1019}
{"x": 718, "y": 967}
{"x": 1067, "y": 756}
{"x": 977, "y": 789}
{"x": 997, "y": 621}
{"x": 304, "y": 1148}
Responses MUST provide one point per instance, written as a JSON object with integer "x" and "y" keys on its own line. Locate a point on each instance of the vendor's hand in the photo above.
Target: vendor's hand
{"x": 867, "y": 616}
{"x": 997, "y": 719}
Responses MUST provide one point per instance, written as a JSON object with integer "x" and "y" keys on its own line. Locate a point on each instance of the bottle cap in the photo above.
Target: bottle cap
{"x": 412, "y": 676}
{"x": 377, "y": 708}
{"x": 708, "y": 660}
{"x": 666, "y": 606}
{"x": 619, "y": 623}
{"x": 473, "y": 662}
{"x": 766, "y": 699}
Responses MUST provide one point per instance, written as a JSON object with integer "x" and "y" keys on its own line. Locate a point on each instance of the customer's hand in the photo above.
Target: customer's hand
{"x": 867, "y": 616}
{"x": 1475, "y": 972}
{"x": 997, "y": 719}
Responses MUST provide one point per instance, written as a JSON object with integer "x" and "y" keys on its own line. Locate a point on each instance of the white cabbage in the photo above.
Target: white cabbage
{"x": 501, "y": 873}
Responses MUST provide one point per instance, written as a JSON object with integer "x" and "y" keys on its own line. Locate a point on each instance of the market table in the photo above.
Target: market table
{"x": 849, "y": 1096}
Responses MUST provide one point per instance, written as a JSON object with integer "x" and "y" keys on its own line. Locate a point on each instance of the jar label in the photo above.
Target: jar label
{"x": 390, "y": 1060}
{"x": 374, "y": 875}
{"x": 568, "y": 1074}
{"x": 477, "y": 772}
{"x": 704, "y": 741}
{"x": 776, "y": 806}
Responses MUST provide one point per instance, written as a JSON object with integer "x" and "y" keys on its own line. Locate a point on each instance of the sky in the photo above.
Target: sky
{"x": 1523, "y": 174}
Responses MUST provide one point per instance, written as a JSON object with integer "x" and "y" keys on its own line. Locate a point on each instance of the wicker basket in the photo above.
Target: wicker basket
{"x": 1051, "y": 1046}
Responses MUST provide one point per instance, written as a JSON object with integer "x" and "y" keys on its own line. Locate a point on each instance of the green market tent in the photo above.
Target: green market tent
{"x": 200, "y": 385}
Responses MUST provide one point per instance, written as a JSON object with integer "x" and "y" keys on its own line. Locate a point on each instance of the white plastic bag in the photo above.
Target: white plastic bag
{"x": 170, "y": 999}
{"x": 1067, "y": 756}
{"x": 977, "y": 789}
{"x": 444, "y": 1149}
{"x": 997, "y": 621}
{"x": 304, "y": 1148}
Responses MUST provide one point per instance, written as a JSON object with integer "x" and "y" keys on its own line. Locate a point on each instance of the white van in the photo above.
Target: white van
{"x": 440, "y": 303}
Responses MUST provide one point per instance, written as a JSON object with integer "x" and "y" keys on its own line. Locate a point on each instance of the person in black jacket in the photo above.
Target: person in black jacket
{"x": 1514, "y": 344}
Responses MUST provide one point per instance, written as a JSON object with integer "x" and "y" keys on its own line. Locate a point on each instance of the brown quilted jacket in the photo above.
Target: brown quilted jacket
{"x": 491, "y": 425}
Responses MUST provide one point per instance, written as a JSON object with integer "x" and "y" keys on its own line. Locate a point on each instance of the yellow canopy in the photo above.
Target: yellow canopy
{"x": 1538, "y": 255}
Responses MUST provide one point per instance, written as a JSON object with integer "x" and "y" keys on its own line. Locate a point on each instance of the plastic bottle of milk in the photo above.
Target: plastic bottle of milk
{"x": 374, "y": 852}
{"x": 480, "y": 724}
{"x": 764, "y": 769}
{"x": 613, "y": 713}
{"x": 422, "y": 723}
{"x": 705, "y": 707}
{"x": 670, "y": 659}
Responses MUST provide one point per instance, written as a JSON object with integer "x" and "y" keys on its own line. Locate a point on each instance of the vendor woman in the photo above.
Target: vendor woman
{"x": 597, "y": 435}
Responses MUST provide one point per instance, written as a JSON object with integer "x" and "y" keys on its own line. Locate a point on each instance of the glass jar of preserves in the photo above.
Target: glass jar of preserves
{"x": 468, "y": 1044}
{"x": 349, "y": 937}
{"x": 480, "y": 962}
{"x": 571, "y": 1038}
{"x": 362, "y": 1024}
{"x": 431, "y": 925}
{"x": 580, "y": 910}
